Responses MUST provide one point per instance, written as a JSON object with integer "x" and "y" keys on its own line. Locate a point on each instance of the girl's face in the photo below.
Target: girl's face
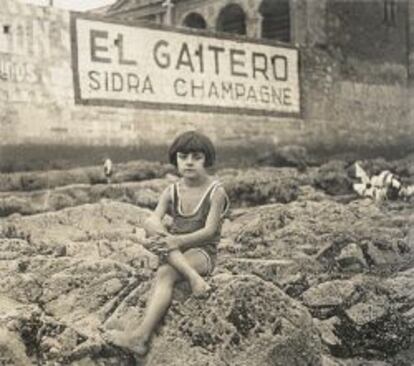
{"x": 191, "y": 165}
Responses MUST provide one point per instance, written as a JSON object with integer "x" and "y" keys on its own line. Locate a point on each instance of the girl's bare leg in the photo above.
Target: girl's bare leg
{"x": 179, "y": 261}
{"x": 161, "y": 297}
{"x": 137, "y": 339}
{"x": 159, "y": 301}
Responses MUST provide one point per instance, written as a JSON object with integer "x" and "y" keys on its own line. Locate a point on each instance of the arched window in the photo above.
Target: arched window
{"x": 276, "y": 19}
{"x": 232, "y": 20}
{"x": 194, "y": 20}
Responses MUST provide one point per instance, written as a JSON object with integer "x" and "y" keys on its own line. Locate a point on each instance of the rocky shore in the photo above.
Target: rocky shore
{"x": 308, "y": 273}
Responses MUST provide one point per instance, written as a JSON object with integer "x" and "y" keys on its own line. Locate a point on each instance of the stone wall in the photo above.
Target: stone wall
{"x": 356, "y": 77}
{"x": 348, "y": 99}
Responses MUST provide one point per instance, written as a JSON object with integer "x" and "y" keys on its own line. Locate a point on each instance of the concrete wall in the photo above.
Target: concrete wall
{"x": 354, "y": 89}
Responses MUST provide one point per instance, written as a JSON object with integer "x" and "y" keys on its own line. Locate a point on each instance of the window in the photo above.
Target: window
{"x": 194, "y": 20}
{"x": 276, "y": 19}
{"x": 232, "y": 20}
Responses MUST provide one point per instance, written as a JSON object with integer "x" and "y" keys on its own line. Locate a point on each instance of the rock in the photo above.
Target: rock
{"x": 248, "y": 322}
{"x": 328, "y": 250}
{"x": 249, "y": 188}
{"x": 409, "y": 315}
{"x": 333, "y": 178}
{"x": 127, "y": 172}
{"x": 401, "y": 285}
{"x": 295, "y": 285}
{"x": 367, "y": 312}
{"x": 351, "y": 258}
{"x": 61, "y": 251}
{"x": 332, "y": 293}
{"x": 12, "y": 349}
{"x": 107, "y": 219}
{"x": 256, "y": 187}
{"x": 401, "y": 291}
{"x": 310, "y": 193}
{"x": 326, "y": 297}
{"x": 373, "y": 328}
{"x": 329, "y": 361}
{"x": 363, "y": 362}
{"x": 272, "y": 270}
{"x": 410, "y": 236}
{"x": 94, "y": 285}
{"x": 381, "y": 257}
{"x": 288, "y": 155}
{"x": 144, "y": 194}
{"x": 327, "y": 331}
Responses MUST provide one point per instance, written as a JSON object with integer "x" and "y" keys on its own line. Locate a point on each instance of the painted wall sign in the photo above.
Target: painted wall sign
{"x": 27, "y": 36}
{"x": 118, "y": 64}
{"x": 18, "y": 71}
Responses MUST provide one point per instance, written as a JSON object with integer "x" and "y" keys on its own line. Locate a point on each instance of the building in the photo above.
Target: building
{"x": 268, "y": 19}
{"x": 299, "y": 22}
{"x": 356, "y": 74}
{"x": 357, "y": 55}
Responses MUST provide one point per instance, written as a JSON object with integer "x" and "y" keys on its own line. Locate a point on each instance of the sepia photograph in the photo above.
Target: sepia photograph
{"x": 207, "y": 182}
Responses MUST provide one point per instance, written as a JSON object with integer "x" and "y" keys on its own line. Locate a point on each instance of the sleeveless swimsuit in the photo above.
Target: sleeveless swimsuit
{"x": 189, "y": 223}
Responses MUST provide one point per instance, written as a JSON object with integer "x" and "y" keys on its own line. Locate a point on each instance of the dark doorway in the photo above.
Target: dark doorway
{"x": 276, "y": 19}
{"x": 194, "y": 20}
{"x": 232, "y": 20}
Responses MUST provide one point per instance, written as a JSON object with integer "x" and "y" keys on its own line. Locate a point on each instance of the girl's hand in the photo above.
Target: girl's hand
{"x": 171, "y": 242}
{"x": 162, "y": 244}
{"x": 166, "y": 244}
{"x": 157, "y": 245}
{"x": 160, "y": 250}
{"x": 154, "y": 240}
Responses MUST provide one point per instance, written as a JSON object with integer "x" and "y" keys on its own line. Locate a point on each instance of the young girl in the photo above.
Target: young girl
{"x": 197, "y": 204}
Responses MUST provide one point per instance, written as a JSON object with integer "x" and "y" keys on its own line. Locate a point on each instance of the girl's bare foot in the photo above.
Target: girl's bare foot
{"x": 117, "y": 338}
{"x": 139, "y": 346}
{"x": 201, "y": 289}
{"x": 134, "y": 344}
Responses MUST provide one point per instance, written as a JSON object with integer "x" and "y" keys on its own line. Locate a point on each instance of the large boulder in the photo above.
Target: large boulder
{"x": 72, "y": 273}
{"x": 359, "y": 318}
{"x": 247, "y": 321}
{"x": 336, "y": 259}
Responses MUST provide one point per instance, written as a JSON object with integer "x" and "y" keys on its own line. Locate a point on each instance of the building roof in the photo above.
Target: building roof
{"x": 100, "y": 10}
{"x": 122, "y": 6}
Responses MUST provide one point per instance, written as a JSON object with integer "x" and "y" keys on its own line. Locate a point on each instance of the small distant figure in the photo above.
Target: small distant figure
{"x": 108, "y": 170}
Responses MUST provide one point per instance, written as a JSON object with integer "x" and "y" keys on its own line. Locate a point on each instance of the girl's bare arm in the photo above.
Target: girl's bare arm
{"x": 153, "y": 224}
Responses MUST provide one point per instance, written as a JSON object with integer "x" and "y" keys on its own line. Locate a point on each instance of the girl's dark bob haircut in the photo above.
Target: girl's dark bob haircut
{"x": 190, "y": 142}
